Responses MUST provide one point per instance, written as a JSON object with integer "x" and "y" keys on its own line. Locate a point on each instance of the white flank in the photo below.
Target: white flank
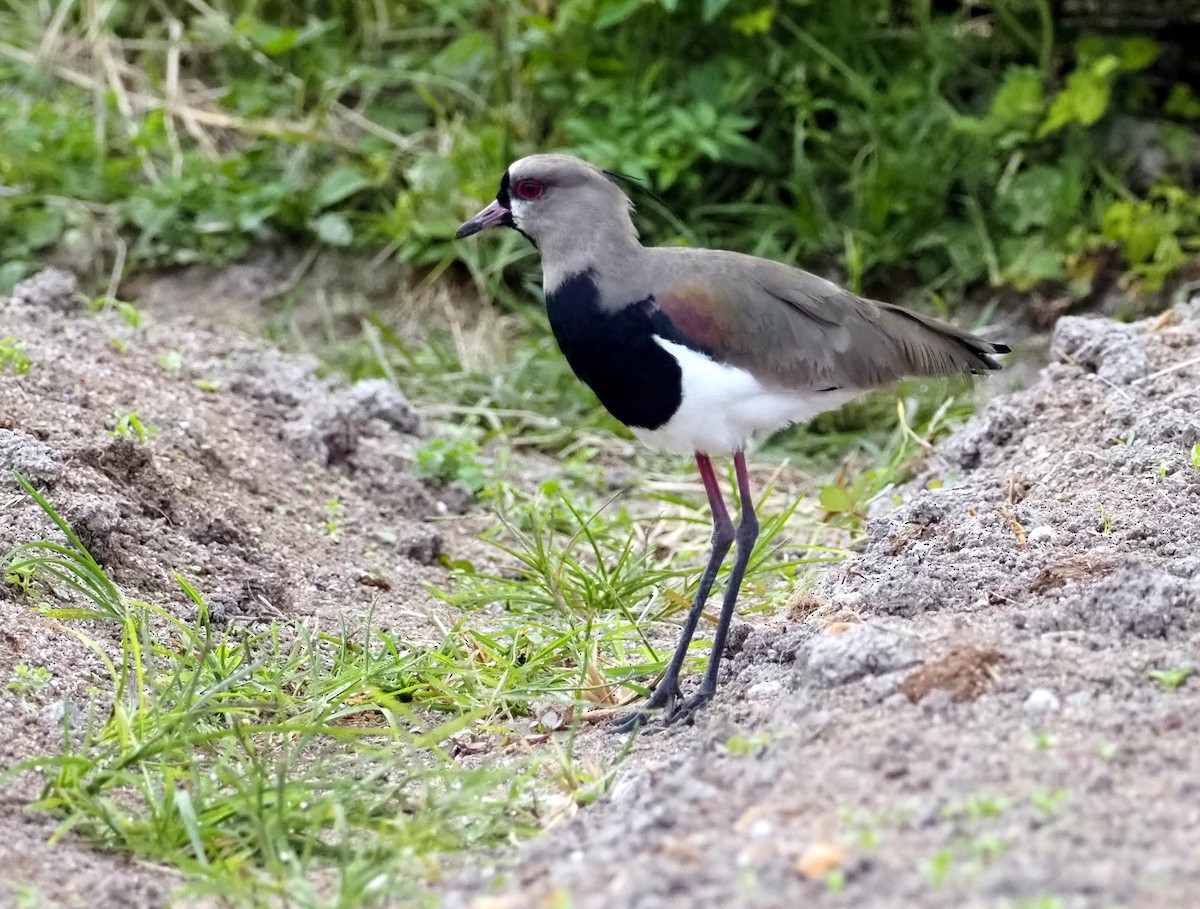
{"x": 723, "y": 406}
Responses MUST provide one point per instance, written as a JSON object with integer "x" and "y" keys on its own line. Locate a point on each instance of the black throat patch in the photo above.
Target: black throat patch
{"x": 615, "y": 353}
{"x": 504, "y": 197}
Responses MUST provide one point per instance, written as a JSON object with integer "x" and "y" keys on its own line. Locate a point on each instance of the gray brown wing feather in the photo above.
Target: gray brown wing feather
{"x": 794, "y": 328}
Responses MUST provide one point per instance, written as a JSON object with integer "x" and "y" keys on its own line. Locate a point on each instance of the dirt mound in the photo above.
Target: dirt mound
{"x": 991, "y": 734}
{"x": 173, "y": 446}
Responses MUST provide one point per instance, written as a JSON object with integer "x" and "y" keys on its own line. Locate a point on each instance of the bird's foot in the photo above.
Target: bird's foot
{"x": 686, "y": 712}
{"x": 663, "y": 700}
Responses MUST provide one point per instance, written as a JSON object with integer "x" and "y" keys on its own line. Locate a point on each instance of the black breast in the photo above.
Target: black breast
{"x": 615, "y": 352}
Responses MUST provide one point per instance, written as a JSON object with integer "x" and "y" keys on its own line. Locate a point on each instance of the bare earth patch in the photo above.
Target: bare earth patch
{"x": 960, "y": 715}
{"x": 275, "y": 493}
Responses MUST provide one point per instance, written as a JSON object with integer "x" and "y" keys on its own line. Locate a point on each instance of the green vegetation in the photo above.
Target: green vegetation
{"x": 451, "y": 461}
{"x": 27, "y": 679}
{"x": 1170, "y": 679}
{"x": 286, "y": 764}
{"x": 12, "y": 356}
{"x": 268, "y": 763}
{"x": 940, "y": 151}
{"x": 130, "y": 426}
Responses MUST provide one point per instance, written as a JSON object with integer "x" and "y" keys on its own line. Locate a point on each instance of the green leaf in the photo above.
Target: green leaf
{"x": 1182, "y": 102}
{"x": 1033, "y": 196}
{"x": 339, "y": 184}
{"x": 1084, "y": 99}
{"x": 11, "y": 273}
{"x": 42, "y": 226}
{"x": 1138, "y": 52}
{"x": 712, "y": 9}
{"x": 616, "y": 12}
{"x": 835, "y": 498}
{"x": 1169, "y": 679}
{"x": 1020, "y": 96}
{"x": 333, "y": 229}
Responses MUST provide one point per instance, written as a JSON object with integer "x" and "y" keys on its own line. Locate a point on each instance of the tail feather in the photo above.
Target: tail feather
{"x": 938, "y": 348}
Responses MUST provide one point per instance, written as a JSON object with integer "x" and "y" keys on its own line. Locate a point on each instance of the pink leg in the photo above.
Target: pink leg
{"x": 667, "y": 694}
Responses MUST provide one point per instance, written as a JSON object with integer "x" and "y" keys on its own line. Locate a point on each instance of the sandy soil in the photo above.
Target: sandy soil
{"x": 960, "y": 715}
{"x": 234, "y": 492}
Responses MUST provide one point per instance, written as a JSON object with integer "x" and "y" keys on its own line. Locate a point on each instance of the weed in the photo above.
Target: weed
{"x": 12, "y": 356}
{"x": 902, "y": 144}
{"x": 1047, "y": 802}
{"x": 67, "y": 570}
{"x": 130, "y": 426}
{"x": 1041, "y": 901}
{"x": 746, "y": 745}
{"x": 938, "y": 867}
{"x": 335, "y": 513}
{"x": 272, "y": 766}
{"x": 835, "y": 880}
{"x": 1044, "y": 741}
{"x": 1170, "y": 679}
{"x": 29, "y": 679}
{"x": 976, "y": 808}
{"x": 451, "y": 462}
{"x": 1195, "y": 455}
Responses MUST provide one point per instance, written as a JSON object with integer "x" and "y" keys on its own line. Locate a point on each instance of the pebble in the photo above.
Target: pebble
{"x": 1041, "y": 532}
{"x": 1042, "y": 700}
{"x": 765, "y": 689}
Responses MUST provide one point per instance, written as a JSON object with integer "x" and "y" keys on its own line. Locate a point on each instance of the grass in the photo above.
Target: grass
{"x": 315, "y": 768}
{"x": 283, "y": 764}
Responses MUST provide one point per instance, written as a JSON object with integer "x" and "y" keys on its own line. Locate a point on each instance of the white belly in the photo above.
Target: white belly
{"x": 724, "y": 406}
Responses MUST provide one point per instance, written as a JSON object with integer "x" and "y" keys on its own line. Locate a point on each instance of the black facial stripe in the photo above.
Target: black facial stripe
{"x": 504, "y": 197}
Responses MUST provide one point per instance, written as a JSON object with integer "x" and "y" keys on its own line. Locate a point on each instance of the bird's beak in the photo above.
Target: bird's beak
{"x": 492, "y": 216}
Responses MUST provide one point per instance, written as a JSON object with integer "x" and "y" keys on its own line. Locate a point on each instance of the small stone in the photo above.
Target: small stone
{"x": 1040, "y": 533}
{"x": 819, "y": 859}
{"x": 1042, "y": 700}
{"x": 762, "y": 829}
{"x": 1079, "y": 699}
{"x": 764, "y": 689}
{"x": 862, "y": 650}
{"x": 54, "y": 713}
{"x": 36, "y": 461}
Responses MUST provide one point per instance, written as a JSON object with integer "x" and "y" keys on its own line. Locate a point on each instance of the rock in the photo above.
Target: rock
{"x": 422, "y": 544}
{"x": 328, "y": 427}
{"x": 94, "y": 520}
{"x": 865, "y": 649}
{"x": 50, "y": 287}
{"x": 1042, "y": 701}
{"x": 36, "y": 461}
{"x": 1112, "y": 350}
{"x": 765, "y": 689}
{"x": 55, "y": 712}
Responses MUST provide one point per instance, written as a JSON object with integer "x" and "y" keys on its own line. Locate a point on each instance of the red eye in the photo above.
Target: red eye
{"x": 528, "y": 189}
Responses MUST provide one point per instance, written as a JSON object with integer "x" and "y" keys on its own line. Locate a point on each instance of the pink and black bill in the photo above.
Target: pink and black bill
{"x": 498, "y": 214}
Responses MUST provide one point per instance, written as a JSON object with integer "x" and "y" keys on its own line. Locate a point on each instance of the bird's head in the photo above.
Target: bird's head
{"x": 552, "y": 198}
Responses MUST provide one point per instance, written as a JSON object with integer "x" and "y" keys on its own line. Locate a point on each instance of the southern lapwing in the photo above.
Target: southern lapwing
{"x": 696, "y": 350}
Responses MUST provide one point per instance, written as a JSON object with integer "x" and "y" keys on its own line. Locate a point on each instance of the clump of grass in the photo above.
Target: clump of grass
{"x": 1170, "y": 679}
{"x": 583, "y": 596}
{"x": 12, "y": 356}
{"x": 284, "y": 764}
{"x": 130, "y": 426}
